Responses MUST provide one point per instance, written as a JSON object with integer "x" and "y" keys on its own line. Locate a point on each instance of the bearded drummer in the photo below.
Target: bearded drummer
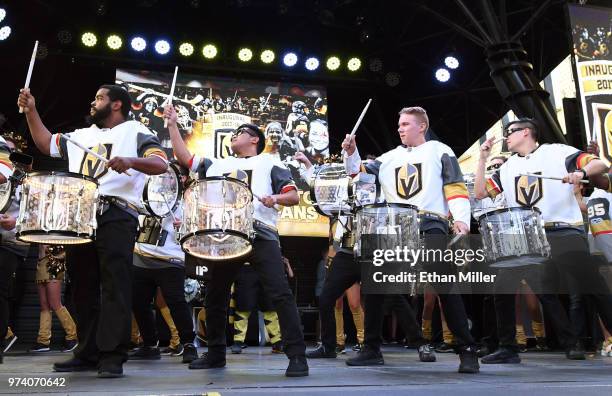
{"x": 271, "y": 181}
{"x": 563, "y": 226}
{"x": 101, "y": 271}
{"x": 425, "y": 174}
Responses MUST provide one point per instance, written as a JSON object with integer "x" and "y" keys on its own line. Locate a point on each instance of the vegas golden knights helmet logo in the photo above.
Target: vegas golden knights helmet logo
{"x": 528, "y": 189}
{"x": 95, "y": 167}
{"x": 408, "y": 180}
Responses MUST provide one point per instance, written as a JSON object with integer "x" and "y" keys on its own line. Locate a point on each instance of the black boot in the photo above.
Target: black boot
{"x": 74, "y": 364}
{"x": 145, "y": 353}
{"x": 469, "y": 361}
{"x": 321, "y": 353}
{"x": 502, "y": 356}
{"x": 298, "y": 367}
{"x": 207, "y": 362}
{"x": 368, "y": 356}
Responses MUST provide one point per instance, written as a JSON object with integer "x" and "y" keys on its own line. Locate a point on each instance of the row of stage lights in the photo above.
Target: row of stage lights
{"x": 210, "y": 51}
{"x": 5, "y": 31}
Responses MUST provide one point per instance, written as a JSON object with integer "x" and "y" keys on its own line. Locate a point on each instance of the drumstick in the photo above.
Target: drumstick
{"x": 169, "y": 101}
{"x": 174, "y": 219}
{"x": 455, "y": 239}
{"x": 266, "y": 103}
{"x": 549, "y": 177}
{"x": 497, "y": 141}
{"x": 259, "y": 199}
{"x": 98, "y": 156}
{"x": 29, "y": 76}
{"x": 365, "y": 109}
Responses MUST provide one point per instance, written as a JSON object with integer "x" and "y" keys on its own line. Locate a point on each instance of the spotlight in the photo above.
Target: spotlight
{"x": 209, "y": 51}
{"x": 245, "y": 54}
{"x": 354, "y": 64}
{"x": 376, "y": 65}
{"x": 64, "y": 37}
{"x": 186, "y": 49}
{"x": 162, "y": 47}
{"x": 442, "y": 75}
{"x": 114, "y": 42}
{"x": 312, "y": 64}
{"x": 392, "y": 79}
{"x": 89, "y": 39}
{"x": 290, "y": 59}
{"x": 451, "y": 62}
{"x": 267, "y": 56}
{"x": 333, "y": 63}
{"x": 2, "y": 14}
{"x": 138, "y": 44}
{"x": 5, "y": 32}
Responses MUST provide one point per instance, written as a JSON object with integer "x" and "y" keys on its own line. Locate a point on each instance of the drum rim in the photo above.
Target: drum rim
{"x": 387, "y": 204}
{"x": 90, "y": 237}
{"x": 12, "y": 187}
{"x": 217, "y": 178}
{"x": 145, "y": 193}
{"x": 313, "y": 196}
{"x": 511, "y": 209}
{"x": 216, "y": 231}
{"x": 63, "y": 173}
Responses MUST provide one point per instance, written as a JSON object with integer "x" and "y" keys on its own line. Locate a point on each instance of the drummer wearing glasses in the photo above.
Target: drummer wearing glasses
{"x": 271, "y": 182}
{"x": 563, "y": 226}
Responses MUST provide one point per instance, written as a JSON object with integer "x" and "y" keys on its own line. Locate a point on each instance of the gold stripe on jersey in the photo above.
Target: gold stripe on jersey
{"x": 455, "y": 190}
{"x": 601, "y": 227}
{"x": 584, "y": 159}
{"x": 155, "y": 151}
{"x": 4, "y": 159}
{"x": 492, "y": 188}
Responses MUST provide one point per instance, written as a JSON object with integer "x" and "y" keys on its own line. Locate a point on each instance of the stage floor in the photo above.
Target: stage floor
{"x": 256, "y": 370}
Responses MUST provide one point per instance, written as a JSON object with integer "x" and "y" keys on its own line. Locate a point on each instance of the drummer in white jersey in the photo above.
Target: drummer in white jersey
{"x": 101, "y": 271}
{"x": 563, "y": 225}
{"x": 425, "y": 174}
{"x": 271, "y": 181}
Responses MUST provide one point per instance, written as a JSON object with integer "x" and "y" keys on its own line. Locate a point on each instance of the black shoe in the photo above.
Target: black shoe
{"x": 298, "y": 367}
{"x": 74, "y": 364}
{"x": 522, "y": 348}
{"x": 358, "y": 347}
{"x": 469, "y": 361}
{"x": 134, "y": 346}
{"x": 426, "y": 353}
{"x": 277, "y": 347}
{"x": 206, "y": 362}
{"x": 237, "y": 347}
{"x": 38, "y": 347}
{"x": 501, "y": 356}
{"x": 110, "y": 370}
{"x": 368, "y": 356}
{"x": 340, "y": 349}
{"x": 576, "y": 352}
{"x": 444, "y": 348}
{"x": 145, "y": 353}
{"x": 170, "y": 351}
{"x": 483, "y": 351}
{"x": 541, "y": 345}
{"x": 190, "y": 353}
{"x": 70, "y": 345}
{"x": 321, "y": 353}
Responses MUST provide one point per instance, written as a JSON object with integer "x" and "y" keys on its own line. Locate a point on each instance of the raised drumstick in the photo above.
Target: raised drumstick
{"x": 549, "y": 177}
{"x": 365, "y": 109}
{"x": 169, "y": 101}
{"x": 29, "y": 76}
{"x": 98, "y": 156}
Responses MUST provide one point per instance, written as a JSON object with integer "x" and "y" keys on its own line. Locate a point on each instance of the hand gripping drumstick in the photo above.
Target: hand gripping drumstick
{"x": 259, "y": 199}
{"x": 169, "y": 101}
{"x": 29, "y": 76}
{"x": 98, "y": 156}
{"x": 365, "y": 109}
{"x": 549, "y": 177}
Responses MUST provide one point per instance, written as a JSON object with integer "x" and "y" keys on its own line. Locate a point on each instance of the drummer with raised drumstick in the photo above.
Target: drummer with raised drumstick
{"x": 271, "y": 182}
{"x": 563, "y": 225}
{"x": 101, "y": 271}
{"x": 425, "y": 174}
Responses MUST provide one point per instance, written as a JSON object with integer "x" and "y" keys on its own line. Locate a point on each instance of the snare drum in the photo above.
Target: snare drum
{"x": 329, "y": 190}
{"x": 57, "y": 208}
{"x": 161, "y": 193}
{"x": 514, "y": 237}
{"x": 217, "y": 219}
{"x": 386, "y": 226}
{"x": 6, "y": 195}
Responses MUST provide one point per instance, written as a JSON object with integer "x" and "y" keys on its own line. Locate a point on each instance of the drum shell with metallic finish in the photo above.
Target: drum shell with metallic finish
{"x": 168, "y": 185}
{"x": 217, "y": 219}
{"x": 57, "y": 208}
{"x": 513, "y": 237}
{"x": 329, "y": 190}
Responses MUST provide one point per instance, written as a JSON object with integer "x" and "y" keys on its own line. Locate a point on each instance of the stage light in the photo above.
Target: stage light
{"x": 442, "y": 75}
{"x": 451, "y": 62}
{"x": 5, "y": 31}
{"x": 376, "y": 64}
{"x": 138, "y": 44}
{"x": 392, "y": 79}
{"x": 312, "y": 63}
{"x": 64, "y": 37}
{"x": 267, "y": 56}
{"x": 290, "y": 59}
{"x": 186, "y": 49}
{"x": 114, "y": 42}
{"x": 162, "y": 47}
{"x": 333, "y": 63}
{"x": 245, "y": 54}
{"x": 89, "y": 39}
{"x": 2, "y": 14}
{"x": 209, "y": 51}
{"x": 354, "y": 64}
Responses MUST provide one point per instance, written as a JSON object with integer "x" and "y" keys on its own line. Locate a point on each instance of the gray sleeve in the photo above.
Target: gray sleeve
{"x": 281, "y": 180}
{"x": 451, "y": 172}
{"x": 203, "y": 168}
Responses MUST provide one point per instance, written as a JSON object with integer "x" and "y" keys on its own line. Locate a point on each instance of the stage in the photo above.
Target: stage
{"x": 256, "y": 371}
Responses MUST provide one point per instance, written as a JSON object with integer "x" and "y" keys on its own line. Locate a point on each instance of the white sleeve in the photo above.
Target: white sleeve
{"x": 352, "y": 163}
{"x": 460, "y": 209}
{"x": 54, "y": 149}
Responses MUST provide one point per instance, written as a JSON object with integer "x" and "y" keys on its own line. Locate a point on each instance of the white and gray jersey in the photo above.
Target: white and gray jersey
{"x": 600, "y": 222}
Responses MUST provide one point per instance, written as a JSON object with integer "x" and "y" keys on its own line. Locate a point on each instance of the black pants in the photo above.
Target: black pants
{"x": 101, "y": 275}
{"x": 171, "y": 281}
{"x": 266, "y": 259}
{"x": 375, "y": 308}
{"x": 8, "y": 265}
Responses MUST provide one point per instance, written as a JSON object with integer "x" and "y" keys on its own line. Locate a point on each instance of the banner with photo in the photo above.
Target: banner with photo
{"x": 592, "y": 37}
{"x": 294, "y": 118}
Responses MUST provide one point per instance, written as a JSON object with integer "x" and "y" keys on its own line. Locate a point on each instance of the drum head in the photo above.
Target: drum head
{"x": 521, "y": 261}
{"x": 162, "y": 192}
{"x": 330, "y": 190}
{"x": 6, "y": 195}
{"x": 54, "y": 237}
{"x": 216, "y": 245}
